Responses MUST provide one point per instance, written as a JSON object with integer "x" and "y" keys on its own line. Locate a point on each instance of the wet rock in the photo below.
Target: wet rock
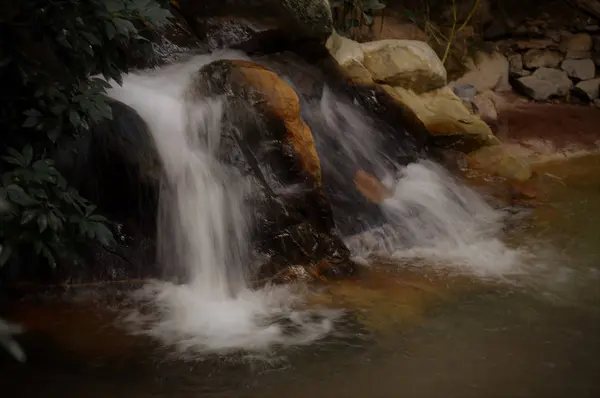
{"x": 582, "y": 69}
{"x": 545, "y": 83}
{"x": 406, "y": 63}
{"x": 587, "y": 89}
{"x": 486, "y": 72}
{"x": 274, "y": 146}
{"x": 446, "y": 118}
{"x": 534, "y": 59}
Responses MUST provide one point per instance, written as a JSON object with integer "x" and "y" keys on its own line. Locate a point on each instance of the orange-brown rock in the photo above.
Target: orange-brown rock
{"x": 271, "y": 95}
{"x": 370, "y": 187}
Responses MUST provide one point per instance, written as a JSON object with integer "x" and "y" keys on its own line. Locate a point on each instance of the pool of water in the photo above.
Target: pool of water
{"x": 408, "y": 332}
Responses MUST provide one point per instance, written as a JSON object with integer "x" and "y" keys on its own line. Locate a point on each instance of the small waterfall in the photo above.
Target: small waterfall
{"x": 204, "y": 219}
{"x": 429, "y": 215}
{"x": 203, "y": 230}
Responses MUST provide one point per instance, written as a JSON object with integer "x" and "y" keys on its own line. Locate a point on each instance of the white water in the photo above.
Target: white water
{"x": 204, "y": 231}
{"x": 430, "y": 216}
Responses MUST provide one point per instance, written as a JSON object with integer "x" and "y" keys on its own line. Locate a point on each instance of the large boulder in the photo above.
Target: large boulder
{"x": 406, "y": 63}
{"x": 265, "y": 137}
{"x": 446, "y": 118}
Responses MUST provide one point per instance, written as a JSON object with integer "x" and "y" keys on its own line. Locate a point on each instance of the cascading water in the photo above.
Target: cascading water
{"x": 204, "y": 229}
{"x": 429, "y": 215}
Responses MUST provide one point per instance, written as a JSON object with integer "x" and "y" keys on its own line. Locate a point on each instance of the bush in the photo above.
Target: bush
{"x": 49, "y": 52}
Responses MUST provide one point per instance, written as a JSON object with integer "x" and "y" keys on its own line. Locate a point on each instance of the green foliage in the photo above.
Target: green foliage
{"x": 52, "y": 54}
{"x": 352, "y": 15}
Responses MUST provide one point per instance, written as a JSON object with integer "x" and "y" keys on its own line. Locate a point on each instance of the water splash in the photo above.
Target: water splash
{"x": 429, "y": 216}
{"x": 204, "y": 229}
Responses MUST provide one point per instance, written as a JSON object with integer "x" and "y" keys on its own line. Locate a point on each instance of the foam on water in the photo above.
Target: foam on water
{"x": 203, "y": 230}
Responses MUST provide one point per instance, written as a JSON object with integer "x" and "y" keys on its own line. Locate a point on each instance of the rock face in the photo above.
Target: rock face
{"x": 582, "y": 69}
{"x": 265, "y": 138}
{"x": 545, "y": 83}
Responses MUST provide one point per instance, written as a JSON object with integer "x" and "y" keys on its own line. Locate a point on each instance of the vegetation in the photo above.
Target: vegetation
{"x": 56, "y": 57}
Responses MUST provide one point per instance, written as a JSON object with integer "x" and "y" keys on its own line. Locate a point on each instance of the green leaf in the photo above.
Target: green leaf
{"x": 124, "y": 26}
{"x": 42, "y": 222}
{"x": 110, "y": 30}
{"x": 92, "y": 39}
{"x": 28, "y": 216}
{"x": 54, "y": 222}
{"x": 89, "y": 210}
{"x": 17, "y": 195}
{"x": 49, "y": 256}
{"x": 30, "y": 122}
{"x": 103, "y": 234}
{"x": 74, "y": 118}
{"x": 27, "y": 154}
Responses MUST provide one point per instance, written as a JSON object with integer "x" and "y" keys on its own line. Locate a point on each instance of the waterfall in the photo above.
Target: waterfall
{"x": 428, "y": 216}
{"x": 204, "y": 221}
{"x": 204, "y": 230}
